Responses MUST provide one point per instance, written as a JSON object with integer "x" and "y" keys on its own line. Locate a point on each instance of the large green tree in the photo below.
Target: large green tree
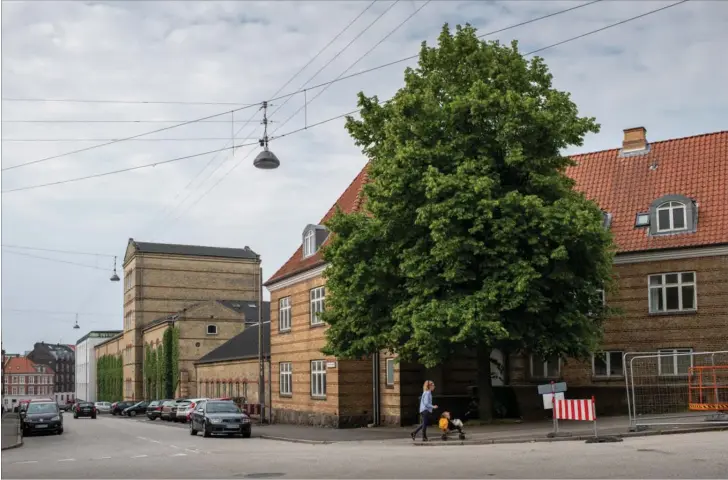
{"x": 472, "y": 236}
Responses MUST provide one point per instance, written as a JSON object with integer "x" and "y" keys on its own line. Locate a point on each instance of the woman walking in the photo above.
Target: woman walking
{"x": 426, "y": 408}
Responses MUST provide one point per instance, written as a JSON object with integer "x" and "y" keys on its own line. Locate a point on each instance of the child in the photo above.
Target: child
{"x": 447, "y": 425}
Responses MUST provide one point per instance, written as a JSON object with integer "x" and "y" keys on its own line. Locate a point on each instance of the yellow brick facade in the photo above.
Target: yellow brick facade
{"x": 237, "y": 378}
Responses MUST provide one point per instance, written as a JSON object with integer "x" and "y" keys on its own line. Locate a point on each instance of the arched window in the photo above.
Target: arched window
{"x": 671, "y": 217}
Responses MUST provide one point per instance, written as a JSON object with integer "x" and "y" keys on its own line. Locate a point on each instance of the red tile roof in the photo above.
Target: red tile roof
{"x": 21, "y": 365}
{"x": 696, "y": 167}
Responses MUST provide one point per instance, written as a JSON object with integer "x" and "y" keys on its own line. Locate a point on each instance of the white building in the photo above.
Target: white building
{"x": 86, "y": 363}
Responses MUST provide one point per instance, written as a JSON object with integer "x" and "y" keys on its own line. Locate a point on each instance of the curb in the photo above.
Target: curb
{"x": 16, "y": 445}
{"x": 570, "y": 439}
{"x": 296, "y": 440}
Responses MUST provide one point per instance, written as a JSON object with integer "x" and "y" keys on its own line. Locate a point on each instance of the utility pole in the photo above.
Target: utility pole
{"x": 261, "y": 366}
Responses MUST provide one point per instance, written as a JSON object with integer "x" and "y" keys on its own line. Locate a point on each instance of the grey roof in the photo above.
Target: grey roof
{"x": 99, "y": 334}
{"x": 243, "y": 346}
{"x": 197, "y": 250}
{"x": 248, "y": 308}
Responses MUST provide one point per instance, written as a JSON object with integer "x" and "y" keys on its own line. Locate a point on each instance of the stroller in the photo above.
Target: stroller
{"x": 449, "y": 426}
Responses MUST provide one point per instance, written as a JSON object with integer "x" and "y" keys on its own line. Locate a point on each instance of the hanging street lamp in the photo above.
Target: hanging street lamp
{"x": 266, "y": 160}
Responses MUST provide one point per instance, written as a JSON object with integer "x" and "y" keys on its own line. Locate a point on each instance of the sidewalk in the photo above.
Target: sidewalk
{"x": 479, "y": 434}
{"x": 11, "y": 435}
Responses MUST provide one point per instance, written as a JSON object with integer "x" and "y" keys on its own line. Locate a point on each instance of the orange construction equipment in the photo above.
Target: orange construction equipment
{"x": 708, "y": 388}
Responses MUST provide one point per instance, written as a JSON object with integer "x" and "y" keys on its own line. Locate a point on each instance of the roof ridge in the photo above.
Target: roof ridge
{"x": 656, "y": 142}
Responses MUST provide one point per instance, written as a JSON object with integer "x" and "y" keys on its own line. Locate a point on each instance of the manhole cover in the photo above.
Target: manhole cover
{"x": 263, "y": 475}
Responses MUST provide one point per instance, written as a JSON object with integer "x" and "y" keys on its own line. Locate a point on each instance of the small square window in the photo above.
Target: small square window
{"x": 212, "y": 329}
{"x": 642, "y": 220}
{"x": 608, "y": 364}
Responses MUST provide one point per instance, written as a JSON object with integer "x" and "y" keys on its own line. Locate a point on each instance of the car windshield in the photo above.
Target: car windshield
{"x": 222, "y": 407}
{"x": 34, "y": 408}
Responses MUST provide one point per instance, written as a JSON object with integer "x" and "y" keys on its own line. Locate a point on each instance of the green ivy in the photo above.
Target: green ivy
{"x": 110, "y": 375}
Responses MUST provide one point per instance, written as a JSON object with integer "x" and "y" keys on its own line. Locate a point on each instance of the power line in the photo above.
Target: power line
{"x": 51, "y": 312}
{"x": 120, "y": 140}
{"x": 57, "y": 260}
{"x": 116, "y": 121}
{"x": 70, "y": 252}
{"x": 327, "y": 120}
{"x": 130, "y": 102}
{"x": 305, "y": 105}
{"x": 116, "y": 140}
{"x": 129, "y": 169}
{"x": 280, "y": 89}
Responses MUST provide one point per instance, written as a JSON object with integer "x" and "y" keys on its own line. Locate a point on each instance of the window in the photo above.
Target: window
{"x": 31, "y": 390}
{"x": 309, "y": 243}
{"x": 602, "y": 296}
{"x": 7, "y": 379}
{"x": 548, "y": 368}
{"x": 606, "y": 220}
{"x": 31, "y": 379}
{"x": 21, "y": 390}
{"x": 318, "y": 378}
{"x": 318, "y": 301}
{"x": 22, "y": 380}
{"x": 128, "y": 279}
{"x": 675, "y": 361}
{"x": 286, "y": 378}
{"x": 671, "y": 217}
{"x": 673, "y": 292}
{"x": 15, "y": 390}
{"x": 284, "y": 314}
{"x": 607, "y": 364}
{"x": 390, "y": 371}
{"x": 212, "y": 329}
{"x": 642, "y": 220}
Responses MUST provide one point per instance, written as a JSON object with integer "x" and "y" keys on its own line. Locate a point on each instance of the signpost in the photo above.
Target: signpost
{"x": 550, "y": 391}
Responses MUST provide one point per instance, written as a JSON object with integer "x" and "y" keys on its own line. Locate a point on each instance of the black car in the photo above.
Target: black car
{"x": 42, "y": 417}
{"x": 117, "y": 408}
{"x": 219, "y": 417}
{"x": 134, "y": 410}
{"x": 154, "y": 409}
{"x": 84, "y": 409}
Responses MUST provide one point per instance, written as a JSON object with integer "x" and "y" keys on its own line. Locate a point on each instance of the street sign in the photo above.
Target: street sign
{"x": 548, "y": 400}
{"x": 552, "y": 388}
{"x": 330, "y": 364}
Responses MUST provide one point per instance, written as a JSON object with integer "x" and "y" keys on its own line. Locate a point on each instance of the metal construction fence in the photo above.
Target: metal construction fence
{"x": 676, "y": 387}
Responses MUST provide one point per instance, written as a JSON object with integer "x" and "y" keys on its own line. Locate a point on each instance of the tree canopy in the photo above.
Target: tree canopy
{"x": 471, "y": 233}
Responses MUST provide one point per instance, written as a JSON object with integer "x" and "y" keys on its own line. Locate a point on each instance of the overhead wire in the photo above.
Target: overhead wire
{"x": 114, "y": 121}
{"x": 55, "y": 312}
{"x": 280, "y": 89}
{"x": 70, "y": 252}
{"x": 57, "y": 260}
{"x": 53, "y": 140}
{"x": 137, "y": 102}
{"x": 338, "y": 116}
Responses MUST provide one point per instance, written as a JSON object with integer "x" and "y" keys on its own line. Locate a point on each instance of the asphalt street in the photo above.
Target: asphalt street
{"x": 110, "y": 447}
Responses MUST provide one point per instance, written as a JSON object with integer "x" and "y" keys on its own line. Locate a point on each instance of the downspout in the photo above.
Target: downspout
{"x": 375, "y": 390}
{"x": 270, "y": 392}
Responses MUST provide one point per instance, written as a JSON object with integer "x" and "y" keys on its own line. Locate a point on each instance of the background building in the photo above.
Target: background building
{"x": 85, "y": 385}
{"x": 61, "y": 359}
{"x": 23, "y": 379}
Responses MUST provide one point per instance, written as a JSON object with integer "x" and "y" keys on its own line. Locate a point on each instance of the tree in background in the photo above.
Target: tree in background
{"x": 473, "y": 236}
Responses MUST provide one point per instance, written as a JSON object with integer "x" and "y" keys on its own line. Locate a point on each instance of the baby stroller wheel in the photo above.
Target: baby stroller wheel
{"x": 444, "y": 437}
{"x": 461, "y": 436}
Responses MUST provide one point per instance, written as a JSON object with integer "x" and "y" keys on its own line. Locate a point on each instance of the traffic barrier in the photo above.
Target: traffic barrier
{"x": 708, "y": 388}
{"x": 576, "y": 410}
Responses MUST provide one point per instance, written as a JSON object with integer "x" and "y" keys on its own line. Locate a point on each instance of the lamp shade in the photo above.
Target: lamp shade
{"x": 266, "y": 160}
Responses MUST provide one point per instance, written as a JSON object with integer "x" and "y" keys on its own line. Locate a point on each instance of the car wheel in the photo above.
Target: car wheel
{"x": 93, "y": 417}
{"x": 60, "y": 432}
{"x": 206, "y": 433}
{"x": 193, "y": 432}
{"x": 132, "y": 414}
{"x": 75, "y": 416}
{"x": 246, "y": 434}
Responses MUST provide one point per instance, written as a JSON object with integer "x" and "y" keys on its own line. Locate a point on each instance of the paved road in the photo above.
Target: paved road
{"x": 126, "y": 448}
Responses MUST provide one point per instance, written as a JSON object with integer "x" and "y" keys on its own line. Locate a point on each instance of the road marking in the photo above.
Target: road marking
{"x": 68, "y": 460}
{"x": 143, "y": 438}
{"x": 26, "y": 462}
{"x": 175, "y": 446}
{"x": 102, "y": 458}
{"x": 155, "y": 441}
{"x": 179, "y": 455}
{"x": 140, "y": 456}
{"x": 191, "y": 450}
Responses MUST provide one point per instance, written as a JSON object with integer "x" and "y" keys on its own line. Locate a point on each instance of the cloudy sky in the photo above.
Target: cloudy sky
{"x": 661, "y": 71}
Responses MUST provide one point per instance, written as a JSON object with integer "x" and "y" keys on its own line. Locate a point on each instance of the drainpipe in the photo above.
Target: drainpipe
{"x": 375, "y": 390}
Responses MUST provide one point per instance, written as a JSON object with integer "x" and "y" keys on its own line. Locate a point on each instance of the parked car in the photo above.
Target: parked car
{"x": 136, "y": 409}
{"x": 169, "y": 409}
{"x": 42, "y": 416}
{"x": 180, "y": 414}
{"x": 154, "y": 409}
{"x": 184, "y": 417}
{"x": 84, "y": 409}
{"x": 103, "y": 407}
{"x": 220, "y": 417}
{"x": 118, "y": 407}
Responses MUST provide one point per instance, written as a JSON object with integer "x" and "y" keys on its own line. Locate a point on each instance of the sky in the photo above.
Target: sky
{"x": 661, "y": 71}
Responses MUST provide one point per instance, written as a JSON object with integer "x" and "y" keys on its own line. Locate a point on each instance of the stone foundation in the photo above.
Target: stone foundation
{"x": 323, "y": 420}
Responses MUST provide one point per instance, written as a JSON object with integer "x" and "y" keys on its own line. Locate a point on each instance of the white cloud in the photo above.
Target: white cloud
{"x": 661, "y": 72}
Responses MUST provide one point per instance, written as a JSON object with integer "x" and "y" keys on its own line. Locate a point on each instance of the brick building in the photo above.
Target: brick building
{"x": 62, "y": 360}
{"x": 666, "y": 203}
{"x": 164, "y": 279}
{"x": 24, "y": 379}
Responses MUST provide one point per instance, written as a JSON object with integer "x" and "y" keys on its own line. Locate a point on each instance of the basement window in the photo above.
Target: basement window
{"x": 212, "y": 329}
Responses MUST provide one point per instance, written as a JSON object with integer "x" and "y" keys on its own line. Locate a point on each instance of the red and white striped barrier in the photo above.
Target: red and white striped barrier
{"x": 575, "y": 410}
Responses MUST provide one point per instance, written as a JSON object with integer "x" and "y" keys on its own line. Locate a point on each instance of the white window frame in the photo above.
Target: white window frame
{"x": 22, "y": 379}
{"x": 309, "y": 243}
{"x": 544, "y": 373}
{"x": 31, "y": 390}
{"x": 318, "y": 370}
{"x": 608, "y": 360}
{"x": 285, "y": 374}
{"x": 317, "y": 304}
{"x": 207, "y": 329}
{"x": 671, "y": 207}
{"x": 128, "y": 280}
{"x": 675, "y": 364}
{"x": 284, "y": 314}
{"x": 664, "y": 285}
{"x": 603, "y": 294}
{"x": 389, "y": 381}
{"x": 31, "y": 379}
{"x": 15, "y": 390}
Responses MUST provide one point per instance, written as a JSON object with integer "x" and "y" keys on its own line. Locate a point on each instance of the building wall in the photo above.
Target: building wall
{"x": 237, "y": 378}
{"x": 23, "y": 385}
{"x": 165, "y": 284}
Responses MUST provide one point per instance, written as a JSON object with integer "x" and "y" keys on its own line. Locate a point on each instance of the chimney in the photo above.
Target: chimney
{"x": 635, "y": 140}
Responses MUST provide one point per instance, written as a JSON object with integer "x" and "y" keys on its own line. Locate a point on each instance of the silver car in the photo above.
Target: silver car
{"x": 181, "y": 414}
{"x": 103, "y": 407}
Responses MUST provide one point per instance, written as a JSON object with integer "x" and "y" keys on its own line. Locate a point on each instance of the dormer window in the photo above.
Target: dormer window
{"x": 313, "y": 237}
{"x": 606, "y": 220}
{"x": 309, "y": 243}
{"x": 672, "y": 214}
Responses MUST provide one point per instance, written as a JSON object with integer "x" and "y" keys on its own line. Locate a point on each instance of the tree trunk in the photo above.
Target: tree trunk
{"x": 485, "y": 386}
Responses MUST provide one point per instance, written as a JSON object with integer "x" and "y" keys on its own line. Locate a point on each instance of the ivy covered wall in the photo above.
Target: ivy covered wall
{"x": 161, "y": 366}
{"x": 110, "y": 378}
